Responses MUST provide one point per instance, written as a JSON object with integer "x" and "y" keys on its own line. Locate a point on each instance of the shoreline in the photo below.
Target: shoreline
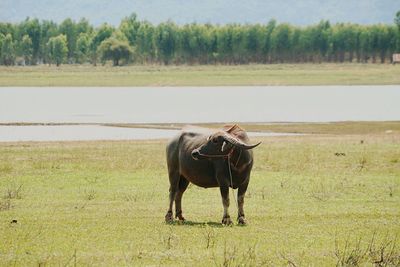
{"x": 340, "y": 127}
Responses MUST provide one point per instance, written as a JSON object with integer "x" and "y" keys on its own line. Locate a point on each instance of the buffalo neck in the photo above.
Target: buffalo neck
{"x": 240, "y": 158}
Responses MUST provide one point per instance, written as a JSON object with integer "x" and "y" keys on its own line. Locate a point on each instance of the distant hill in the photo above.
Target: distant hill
{"x": 299, "y": 12}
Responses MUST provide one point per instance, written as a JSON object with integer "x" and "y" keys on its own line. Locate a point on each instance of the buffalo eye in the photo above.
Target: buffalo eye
{"x": 215, "y": 140}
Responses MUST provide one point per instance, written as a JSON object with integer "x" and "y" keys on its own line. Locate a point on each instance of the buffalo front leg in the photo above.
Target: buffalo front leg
{"x": 226, "y": 219}
{"x": 240, "y": 195}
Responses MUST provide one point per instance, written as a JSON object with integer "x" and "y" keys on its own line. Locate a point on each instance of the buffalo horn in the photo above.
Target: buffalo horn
{"x": 236, "y": 142}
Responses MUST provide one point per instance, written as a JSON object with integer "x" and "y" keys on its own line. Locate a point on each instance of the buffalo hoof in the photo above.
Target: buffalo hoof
{"x": 242, "y": 220}
{"x": 227, "y": 221}
{"x": 169, "y": 218}
{"x": 181, "y": 218}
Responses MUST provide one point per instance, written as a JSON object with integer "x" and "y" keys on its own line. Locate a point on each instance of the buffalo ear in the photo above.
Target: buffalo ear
{"x": 231, "y": 128}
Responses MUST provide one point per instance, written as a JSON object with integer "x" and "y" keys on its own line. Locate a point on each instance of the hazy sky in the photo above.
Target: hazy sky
{"x": 213, "y": 11}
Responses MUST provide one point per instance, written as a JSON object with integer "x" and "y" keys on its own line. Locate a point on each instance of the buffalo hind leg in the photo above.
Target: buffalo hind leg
{"x": 183, "y": 184}
{"x": 226, "y": 219}
{"x": 240, "y": 196}
{"x": 173, "y": 190}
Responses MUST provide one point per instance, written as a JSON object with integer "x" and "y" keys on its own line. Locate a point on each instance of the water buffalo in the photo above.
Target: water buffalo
{"x": 209, "y": 158}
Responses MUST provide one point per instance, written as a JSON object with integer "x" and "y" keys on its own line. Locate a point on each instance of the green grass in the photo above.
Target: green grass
{"x": 276, "y": 74}
{"x": 103, "y": 203}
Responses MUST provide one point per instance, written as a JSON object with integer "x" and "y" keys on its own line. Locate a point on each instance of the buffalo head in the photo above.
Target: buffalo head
{"x": 220, "y": 144}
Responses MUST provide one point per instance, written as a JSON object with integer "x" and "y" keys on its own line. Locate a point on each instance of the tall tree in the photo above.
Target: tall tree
{"x": 397, "y": 22}
{"x": 58, "y": 49}
{"x": 267, "y": 45}
{"x": 166, "y": 39}
{"x": 224, "y": 44}
{"x": 130, "y": 26}
{"x": 26, "y": 49}
{"x": 145, "y": 47}
{"x": 68, "y": 28}
{"x": 338, "y": 42}
{"x": 8, "y": 28}
{"x": 1, "y": 44}
{"x": 302, "y": 44}
{"x": 254, "y": 42}
{"x": 374, "y": 32}
{"x": 32, "y": 28}
{"x": 321, "y": 42}
{"x": 83, "y": 47}
{"x": 102, "y": 33}
{"x": 383, "y": 42}
{"x": 48, "y": 29}
{"x": 280, "y": 42}
{"x": 350, "y": 39}
{"x": 7, "y": 50}
{"x": 83, "y": 26}
{"x": 365, "y": 44}
{"x": 239, "y": 45}
{"x": 297, "y": 53}
{"x": 393, "y": 36}
{"x": 397, "y": 19}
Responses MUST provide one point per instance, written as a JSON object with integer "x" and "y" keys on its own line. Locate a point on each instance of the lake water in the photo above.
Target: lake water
{"x": 89, "y": 132}
{"x": 199, "y": 104}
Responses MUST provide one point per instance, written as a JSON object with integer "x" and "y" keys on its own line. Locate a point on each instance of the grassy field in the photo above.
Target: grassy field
{"x": 277, "y": 74}
{"x": 316, "y": 200}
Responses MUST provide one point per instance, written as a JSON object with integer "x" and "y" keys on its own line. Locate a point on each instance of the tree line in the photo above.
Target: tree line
{"x": 34, "y": 42}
